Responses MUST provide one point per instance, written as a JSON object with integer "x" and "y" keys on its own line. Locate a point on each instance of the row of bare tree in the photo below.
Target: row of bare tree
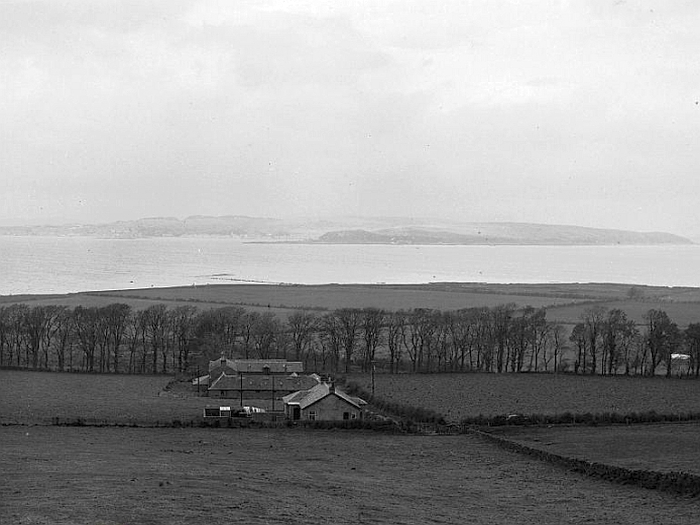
{"x": 608, "y": 342}
{"x": 159, "y": 339}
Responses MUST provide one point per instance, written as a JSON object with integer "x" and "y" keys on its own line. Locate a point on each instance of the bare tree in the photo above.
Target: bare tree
{"x": 593, "y": 321}
{"x": 502, "y": 321}
{"x": 116, "y": 317}
{"x": 301, "y": 326}
{"x": 618, "y": 332}
{"x": 578, "y": 337}
{"x": 265, "y": 334}
{"x": 692, "y": 335}
{"x": 86, "y": 328}
{"x": 182, "y": 323}
{"x": 659, "y": 334}
{"x": 395, "y": 322}
{"x": 349, "y": 323}
{"x": 372, "y": 321}
{"x": 4, "y": 337}
{"x": 63, "y": 337}
{"x": 556, "y": 343}
{"x": 330, "y": 340}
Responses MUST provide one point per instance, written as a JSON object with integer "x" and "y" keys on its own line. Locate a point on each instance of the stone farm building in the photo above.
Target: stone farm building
{"x": 255, "y": 378}
{"x": 322, "y": 402}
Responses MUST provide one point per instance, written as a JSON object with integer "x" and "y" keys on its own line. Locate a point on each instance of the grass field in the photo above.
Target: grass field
{"x": 673, "y": 447}
{"x": 457, "y": 396}
{"x": 118, "y": 476}
{"x": 682, "y": 313}
{"x": 564, "y": 302}
{"x": 330, "y": 297}
{"x": 38, "y": 397}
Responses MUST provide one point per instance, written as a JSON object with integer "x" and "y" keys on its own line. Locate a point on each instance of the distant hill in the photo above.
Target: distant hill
{"x": 355, "y": 230}
{"x": 502, "y": 233}
{"x": 230, "y": 226}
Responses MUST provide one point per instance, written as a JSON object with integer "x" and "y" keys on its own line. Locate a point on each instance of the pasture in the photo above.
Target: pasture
{"x": 331, "y": 297}
{"x": 442, "y": 296}
{"x": 458, "y": 396}
{"x": 38, "y": 397}
{"x": 671, "y": 447}
{"x": 565, "y": 303}
{"x": 115, "y": 476}
{"x": 682, "y": 313}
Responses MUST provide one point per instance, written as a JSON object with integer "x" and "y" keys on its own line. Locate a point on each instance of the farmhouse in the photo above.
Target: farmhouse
{"x": 255, "y": 378}
{"x": 253, "y": 367}
{"x": 255, "y": 387}
{"x": 322, "y": 402}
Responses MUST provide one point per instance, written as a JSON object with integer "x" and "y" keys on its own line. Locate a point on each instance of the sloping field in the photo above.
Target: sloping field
{"x": 330, "y": 297}
{"x": 682, "y": 313}
{"x": 458, "y": 396}
{"x": 671, "y": 447}
{"x": 115, "y": 476}
{"x": 564, "y": 302}
{"x": 38, "y": 397}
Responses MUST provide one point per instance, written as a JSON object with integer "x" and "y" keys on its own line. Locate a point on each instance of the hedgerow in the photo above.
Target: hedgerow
{"x": 408, "y": 413}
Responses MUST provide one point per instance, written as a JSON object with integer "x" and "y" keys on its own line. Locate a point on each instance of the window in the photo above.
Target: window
{"x": 312, "y": 415}
{"x": 346, "y": 415}
{"x": 353, "y": 416}
{"x": 211, "y": 412}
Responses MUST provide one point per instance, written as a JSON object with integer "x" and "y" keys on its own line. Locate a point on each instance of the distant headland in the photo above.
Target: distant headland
{"x": 356, "y": 230}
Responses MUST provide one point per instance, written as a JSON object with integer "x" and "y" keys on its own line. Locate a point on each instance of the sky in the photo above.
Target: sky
{"x": 556, "y": 112}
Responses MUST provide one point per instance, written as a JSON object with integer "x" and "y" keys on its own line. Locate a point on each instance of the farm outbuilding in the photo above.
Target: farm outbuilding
{"x": 323, "y": 402}
{"x": 267, "y": 379}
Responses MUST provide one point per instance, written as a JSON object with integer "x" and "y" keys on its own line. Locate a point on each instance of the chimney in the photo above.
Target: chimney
{"x": 331, "y": 387}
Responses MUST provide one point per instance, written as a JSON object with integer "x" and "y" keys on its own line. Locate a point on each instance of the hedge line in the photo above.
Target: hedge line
{"x": 588, "y": 419}
{"x": 408, "y": 413}
{"x": 228, "y": 423}
{"x": 680, "y": 483}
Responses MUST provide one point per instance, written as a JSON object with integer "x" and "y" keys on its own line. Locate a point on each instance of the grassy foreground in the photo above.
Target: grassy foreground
{"x": 146, "y": 476}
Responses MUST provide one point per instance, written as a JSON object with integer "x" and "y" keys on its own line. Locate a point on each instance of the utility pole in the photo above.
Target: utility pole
{"x": 372, "y": 378}
{"x": 198, "y": 380}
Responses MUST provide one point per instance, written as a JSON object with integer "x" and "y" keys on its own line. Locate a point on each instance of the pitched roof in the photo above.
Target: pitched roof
{"x": 221, "y": 363}
{"x": 274, "y": 366}
{"x": 202, "y": 380}
{"x": 306, "y": 398}
{"x": 288, "y": 383}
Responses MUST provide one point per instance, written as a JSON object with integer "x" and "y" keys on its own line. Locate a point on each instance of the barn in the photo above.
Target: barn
{"x": 323, "y": 402}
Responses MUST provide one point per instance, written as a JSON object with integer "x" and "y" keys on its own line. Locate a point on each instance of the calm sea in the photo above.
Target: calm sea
{"x": 71, "y": 264}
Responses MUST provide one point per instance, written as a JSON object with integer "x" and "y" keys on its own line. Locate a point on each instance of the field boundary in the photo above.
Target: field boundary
{"x": 678, "y": 483}
{"x": 230, "y": 423}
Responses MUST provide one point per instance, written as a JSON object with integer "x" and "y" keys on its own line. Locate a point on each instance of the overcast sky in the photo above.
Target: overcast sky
{"x": 562, "y": 112}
